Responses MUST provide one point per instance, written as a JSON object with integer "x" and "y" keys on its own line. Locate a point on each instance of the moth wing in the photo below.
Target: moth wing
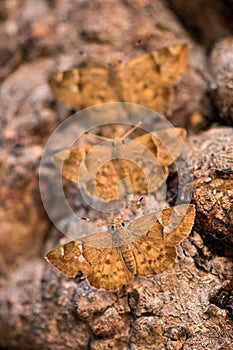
{"x": 138, "y": 178}
{"x": 148, "y": 179}
{"x": 155, "y": 251}
{"x": 148, "y": 78}
{"x": 102, "y": 176}
{"x": 140, "y": 171}
{"x": 177, "y": 223}
{"x": 141, "y": 226}
{"x": 83, "y": 87}
{"x": 98, "y": 240}
{"x": 111, "y": 272}
{"x": 68, "y": 161}
{"x": 96, "y": 88}
{"x": 142, "y": 179}
{"x": 169, "y": 144}
{"x": 171, "y": 61}
{"x": 140, "y": 83}
{"x": 146, "y": 140}
{"x": 146, "y": 174}
{"x": 80, "y": 255}
{"x": 69, "y": 258}
{"x": 112, "y": 183}
{"x": 166, "y": 144}
{"x": 108, "y": 179}
{"x": 152, "y": 257}
{"x": 66, "y": 86}
{"x": 168, "y": 226}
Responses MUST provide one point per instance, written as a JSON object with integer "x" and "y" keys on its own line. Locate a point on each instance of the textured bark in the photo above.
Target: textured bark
{"x": 187, "y": 307}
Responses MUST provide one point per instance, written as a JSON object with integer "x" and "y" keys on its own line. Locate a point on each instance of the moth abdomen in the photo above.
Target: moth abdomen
{"x": 128, "y": 258}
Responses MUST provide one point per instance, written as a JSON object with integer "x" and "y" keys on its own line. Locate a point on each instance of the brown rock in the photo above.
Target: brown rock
{"x": 25, "y": 125}
{"x": 212, "y": 154}
{"x": 170, "y": 309}
{"x": 222, "y": 297}
{"x": 221, "y": 66}
{"x": 40, "y": 308}
{"x": 208, "y": 21}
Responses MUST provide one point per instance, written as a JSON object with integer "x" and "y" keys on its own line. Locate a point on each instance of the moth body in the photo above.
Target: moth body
{"x": 119, "y": 237}
{"x": 128, "y": 258}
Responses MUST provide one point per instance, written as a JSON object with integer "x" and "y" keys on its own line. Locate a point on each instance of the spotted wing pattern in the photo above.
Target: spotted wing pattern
{"x": 83, "y": 87}
{"x": 108, "y": 267}
{"x": 146, "y": 79}
{"x": 102, "y": 267}
{"x": 155, "y": 250}
{"x": 111, "y": 272}
{"x": 146, "y": 174}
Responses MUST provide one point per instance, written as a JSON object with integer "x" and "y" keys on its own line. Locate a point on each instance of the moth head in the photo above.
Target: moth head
{"x": 117, "y": 224}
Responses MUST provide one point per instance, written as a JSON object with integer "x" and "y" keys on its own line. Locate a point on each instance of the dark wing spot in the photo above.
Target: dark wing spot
{"x": 79, "y": 275}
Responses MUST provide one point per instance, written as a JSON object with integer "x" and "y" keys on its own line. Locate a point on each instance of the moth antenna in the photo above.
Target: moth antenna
{"x": 103, "y": 138}
{"x": 132, "y": 129}
{"x": 98, "y": 136}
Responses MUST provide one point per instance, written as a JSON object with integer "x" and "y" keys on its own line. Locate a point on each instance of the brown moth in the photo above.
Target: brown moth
{"x": 110, "y": 260}
{"x": 166, "y": 145}
{"x": 146, "y": 79}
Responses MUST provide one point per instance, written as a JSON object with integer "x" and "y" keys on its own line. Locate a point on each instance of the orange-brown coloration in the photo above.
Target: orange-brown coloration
{"x": 145, "y": 247}
{"x": 146, "y": 79}
{"x": 165, "y": 145}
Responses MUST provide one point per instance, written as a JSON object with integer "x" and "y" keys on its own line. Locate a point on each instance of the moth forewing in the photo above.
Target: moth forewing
{"x": 69, "y": 259}
{"x": 169, "y": 226}
{"x": 143, "y": 224}
{"x": 178, "y": 223}
{"x": 169, "y": 144}
{"x": 173, "y": 60}
{"x": 65, "y": 86}
{"x": 59, "y": 158}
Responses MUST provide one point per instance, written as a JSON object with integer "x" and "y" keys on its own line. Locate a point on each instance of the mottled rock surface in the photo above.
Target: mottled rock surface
{"x": 190, "y": 305}
{"x": 221, "y": 69}
{"x": 213, "y": 171}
